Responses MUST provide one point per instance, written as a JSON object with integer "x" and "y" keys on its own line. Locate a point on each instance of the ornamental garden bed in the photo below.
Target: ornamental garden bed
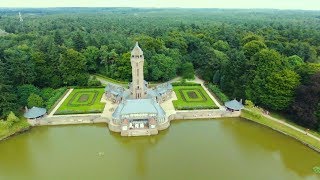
{"x": 82, "y": 101}
{"x": 192, "y": 97}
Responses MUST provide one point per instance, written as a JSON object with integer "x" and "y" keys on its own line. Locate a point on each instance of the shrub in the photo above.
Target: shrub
{"x": 3, "y": 124}
{"x": 55, "y": 97}
{"x": 11, "y": 119}
{"x": 46, "y": 93}
{"x": 221, "y": 96}
{"x": 35, "y": 100}
{"x": 249, "y": 103}
{"x": 185, "y": 84}
{"x": 94, "y": 82}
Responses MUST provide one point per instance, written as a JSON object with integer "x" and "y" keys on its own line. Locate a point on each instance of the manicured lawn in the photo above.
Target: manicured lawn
{"x": 82, "y": 101}
{"x": 192, "y": 97}
{"x": 255, "y": 116}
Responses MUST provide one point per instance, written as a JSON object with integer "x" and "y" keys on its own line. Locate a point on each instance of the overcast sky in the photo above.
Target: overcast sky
{"x": 275, "y": 4}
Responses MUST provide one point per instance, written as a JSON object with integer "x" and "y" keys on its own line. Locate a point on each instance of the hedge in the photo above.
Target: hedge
{"x": 57, "y": 94}
{"x": 220, "y": 95}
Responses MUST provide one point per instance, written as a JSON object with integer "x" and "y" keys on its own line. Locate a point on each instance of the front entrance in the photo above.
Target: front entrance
{"x": 138, "y": 124}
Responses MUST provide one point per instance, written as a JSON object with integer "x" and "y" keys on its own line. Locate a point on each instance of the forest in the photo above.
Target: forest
{"x": 269, "y": 57}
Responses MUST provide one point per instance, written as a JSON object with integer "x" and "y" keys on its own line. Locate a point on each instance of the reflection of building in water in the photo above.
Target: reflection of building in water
{"x": 139, "y": 112}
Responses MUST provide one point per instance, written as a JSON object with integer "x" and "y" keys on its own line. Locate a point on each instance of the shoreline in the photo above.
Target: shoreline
{"x": 242, "y": 115}
{"x": 21, "y": 131}
{"x": 247, "y": 117}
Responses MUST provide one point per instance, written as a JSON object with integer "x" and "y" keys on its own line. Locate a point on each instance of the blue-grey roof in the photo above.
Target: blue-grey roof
{"x": 114, "y": 89}
{"x": 138, "y": 106}
{"x": 234, "y": 104}
{"x": 35, "y": 112}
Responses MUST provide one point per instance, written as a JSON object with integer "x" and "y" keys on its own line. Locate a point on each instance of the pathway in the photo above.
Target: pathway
{"x": 287, "y": 124}
{"x": 291, "y": 126}
{"x": 59, "y": 104}
{"x": 200, "y": 81}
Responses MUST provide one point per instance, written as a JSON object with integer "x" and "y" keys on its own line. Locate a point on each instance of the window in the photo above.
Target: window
{"x": 137, "y": 72}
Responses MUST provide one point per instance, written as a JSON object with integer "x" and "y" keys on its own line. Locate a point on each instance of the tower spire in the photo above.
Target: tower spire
{"x": 138, "y": 89}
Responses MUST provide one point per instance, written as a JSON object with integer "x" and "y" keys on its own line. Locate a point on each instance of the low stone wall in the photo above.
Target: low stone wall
{"x": 63, "y": 120}
{"x": 203, "y": 114}
{"x": 139, "y": 132}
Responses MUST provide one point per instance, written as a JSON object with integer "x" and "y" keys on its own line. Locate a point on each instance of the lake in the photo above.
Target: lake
{"x": 193, "y": 149}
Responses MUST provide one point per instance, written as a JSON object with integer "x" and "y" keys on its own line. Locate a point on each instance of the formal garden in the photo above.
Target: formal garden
{"x": 82, "y": 101}
{"x": 191, "y": 97}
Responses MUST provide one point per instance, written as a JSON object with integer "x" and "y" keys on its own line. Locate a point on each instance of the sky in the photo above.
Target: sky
{"x": 241, "y": 4}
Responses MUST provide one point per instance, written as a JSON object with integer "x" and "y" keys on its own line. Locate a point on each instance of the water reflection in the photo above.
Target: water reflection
{"x": 296, "y": 157}
{"x": 142, "y": 148}
{"x": 195, "y": 149}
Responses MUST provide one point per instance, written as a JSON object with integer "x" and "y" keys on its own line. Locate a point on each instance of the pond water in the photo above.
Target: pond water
{"x": 195, "y": 149}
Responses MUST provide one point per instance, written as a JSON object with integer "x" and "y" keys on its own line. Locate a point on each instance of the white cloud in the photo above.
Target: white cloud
{"x": 277, "y": 4}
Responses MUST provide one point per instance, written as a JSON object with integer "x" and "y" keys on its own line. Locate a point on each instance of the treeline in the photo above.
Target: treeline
{"x": 268, "y": 57}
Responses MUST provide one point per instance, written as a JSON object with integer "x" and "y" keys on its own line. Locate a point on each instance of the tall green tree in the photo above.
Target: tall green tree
{"x": 279, "y": 90}
{"x": 35, "y": 100}
{"x": 7, "y": 96}
{"x": 73, "y": 68}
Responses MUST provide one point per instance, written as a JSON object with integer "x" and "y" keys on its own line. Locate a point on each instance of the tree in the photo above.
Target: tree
{"x": 47, "y": 93}
{"x": 58, "y": 38}
{"x": 25, "y": 91}
{"x": 122, "y": 67}
{"x": 7, "y": 95}
{"x": 21, "y": 66}
{"x": 35, "y": 101}
{"x": 294, "y": 61}
{"x": 261, "y": 66}
{"x": 279, "y": 90}
{"x": 305, "y": 106}
{"x": 12, "y": 118}
{"x": 251, "y": 37}
{"x": 162, "y": 68}
{"x": 78, "y": 42}
{"x": 92, "y": 55}
{"x": 73, "y": 68}
{"x": 253, "y": 47}
{"x": 187, "y": 71}
{"x": 221, "y": 46}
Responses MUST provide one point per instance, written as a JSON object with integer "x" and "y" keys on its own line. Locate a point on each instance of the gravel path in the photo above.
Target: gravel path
{"x": 59, "y": 104}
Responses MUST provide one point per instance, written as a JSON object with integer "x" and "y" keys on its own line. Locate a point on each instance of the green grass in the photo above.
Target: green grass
{"x": 256, "y": 116}
{"x": 82, "y": 101}
{"x": 16, "y": 127}
{"x": 122, "y": 83}
{"x": 285, "y": 118}
{"x": 112, "y": 80}
{"x": 186, "y": 101}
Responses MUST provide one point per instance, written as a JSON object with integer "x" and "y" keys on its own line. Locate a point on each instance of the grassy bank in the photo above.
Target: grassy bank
{"x": 17, "y": 127}
{"x": 258, "y": 118}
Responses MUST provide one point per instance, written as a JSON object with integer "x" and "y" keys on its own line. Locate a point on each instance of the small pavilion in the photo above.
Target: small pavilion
{"x": 233, "y": 105}
{"x": 35, "y": 112}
